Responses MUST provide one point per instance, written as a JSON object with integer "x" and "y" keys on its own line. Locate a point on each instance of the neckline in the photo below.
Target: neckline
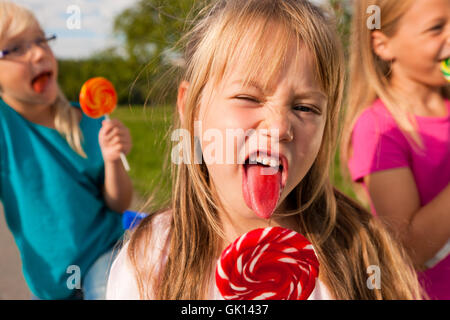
{"x": 423, "y": 119}
{"x": 436, "y": 119}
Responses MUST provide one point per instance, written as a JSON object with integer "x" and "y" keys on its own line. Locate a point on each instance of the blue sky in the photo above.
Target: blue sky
{"x": 96, "y": 20}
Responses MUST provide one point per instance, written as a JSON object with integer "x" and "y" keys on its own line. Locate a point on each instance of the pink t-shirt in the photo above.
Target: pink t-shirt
{"x": 122, "y": 283}
{"x": 379, "y": 144}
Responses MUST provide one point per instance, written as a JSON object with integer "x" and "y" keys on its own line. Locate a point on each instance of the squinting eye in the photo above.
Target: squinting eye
{"x": 248, "y": 98}
{"x": 437, "y": 27}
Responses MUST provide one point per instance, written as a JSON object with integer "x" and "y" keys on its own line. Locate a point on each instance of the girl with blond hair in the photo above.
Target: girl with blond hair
{"x": 62, "y": 183}
{"x": 273, "y": 69}
{"x": 396, "y": 138}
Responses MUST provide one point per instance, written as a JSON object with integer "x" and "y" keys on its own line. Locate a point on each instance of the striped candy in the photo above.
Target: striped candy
{"x": 445, "y": 67}
{"x": 98, "y": 97}
{"x": 268, "y": 263}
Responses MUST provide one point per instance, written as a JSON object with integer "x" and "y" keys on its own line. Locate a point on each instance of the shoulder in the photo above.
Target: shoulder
{"x": 122, "y": 284}
{"x": 320, "y": 292}
{"x": 375, "y": 118}
{"x": 150, "y": 253}
{"x": 376, "y": 125}
{"x": 377, "y": 143}
{"x": 4, "y": 109}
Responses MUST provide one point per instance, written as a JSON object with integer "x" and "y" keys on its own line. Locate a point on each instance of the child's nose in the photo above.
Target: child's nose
{"x": 278, "y": 123}
{"x": 37, "y": 52}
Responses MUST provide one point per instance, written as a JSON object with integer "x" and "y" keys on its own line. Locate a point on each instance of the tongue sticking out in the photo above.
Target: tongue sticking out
{"x": 40, "y": 82}
{"x": 261, "y": 190}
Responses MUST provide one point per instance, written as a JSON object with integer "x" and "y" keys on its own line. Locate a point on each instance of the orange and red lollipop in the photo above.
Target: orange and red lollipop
{"x": 98, "y": 97}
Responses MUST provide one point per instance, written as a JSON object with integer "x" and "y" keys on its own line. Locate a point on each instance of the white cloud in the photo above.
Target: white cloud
{"x": 97, "y": 17}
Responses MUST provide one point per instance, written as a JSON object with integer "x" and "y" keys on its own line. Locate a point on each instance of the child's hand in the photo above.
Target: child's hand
{"x": 114, "y": 138}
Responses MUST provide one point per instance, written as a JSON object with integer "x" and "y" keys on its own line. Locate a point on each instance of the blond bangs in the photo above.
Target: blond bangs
{"x": 15, "y": 20}
{"x": 250, "y": 49}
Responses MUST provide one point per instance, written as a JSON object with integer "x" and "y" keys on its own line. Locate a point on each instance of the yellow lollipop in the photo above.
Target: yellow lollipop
{"x": 445, "y": 67}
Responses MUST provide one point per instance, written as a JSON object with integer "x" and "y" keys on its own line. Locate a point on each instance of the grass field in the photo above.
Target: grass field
{"x": 150, "y": 130}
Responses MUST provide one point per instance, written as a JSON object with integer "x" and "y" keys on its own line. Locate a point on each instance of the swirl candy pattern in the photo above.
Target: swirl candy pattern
{"x": 445, "y": 67}
{"x": 268, "y": 263}
{"x": 98, "y": 97}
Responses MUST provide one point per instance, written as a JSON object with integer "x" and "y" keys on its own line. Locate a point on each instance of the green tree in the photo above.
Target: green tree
{"x": 150, "y": 30}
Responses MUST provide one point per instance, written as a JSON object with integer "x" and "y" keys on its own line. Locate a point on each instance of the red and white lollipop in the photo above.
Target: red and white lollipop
{"x": 268, "y": 263}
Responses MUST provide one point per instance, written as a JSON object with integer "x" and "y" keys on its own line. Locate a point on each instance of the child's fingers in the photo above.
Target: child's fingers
{"x": 111, "y": 133}
{"x": 115, "y": 137}
{"x": 121, "y": 148}
{"x": 119, "y": 140}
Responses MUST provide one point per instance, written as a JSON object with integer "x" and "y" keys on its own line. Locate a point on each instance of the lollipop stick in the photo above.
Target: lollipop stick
{"x": 122, "y": 156}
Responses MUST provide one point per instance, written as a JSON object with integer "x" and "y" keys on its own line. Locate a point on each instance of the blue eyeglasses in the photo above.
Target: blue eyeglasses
{"x": 22, "y": 48}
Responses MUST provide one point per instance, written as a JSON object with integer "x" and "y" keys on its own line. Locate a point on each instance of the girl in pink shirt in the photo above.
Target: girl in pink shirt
{"x": 272, "y": 71}
{"x": 396, "y": 139}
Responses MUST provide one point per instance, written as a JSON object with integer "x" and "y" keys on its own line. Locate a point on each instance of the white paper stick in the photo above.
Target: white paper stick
{"x": 122, "y": 156}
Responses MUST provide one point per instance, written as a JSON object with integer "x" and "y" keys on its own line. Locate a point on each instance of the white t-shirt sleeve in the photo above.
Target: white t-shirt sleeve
{"x": 320, "y": 292}
{"x": 441, "y": 255}
{"x": 122, "y": 283}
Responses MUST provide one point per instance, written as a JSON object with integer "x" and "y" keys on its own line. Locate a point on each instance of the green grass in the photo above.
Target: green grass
{"x": 148, "y": 128}
{"x": 150, "y": 132}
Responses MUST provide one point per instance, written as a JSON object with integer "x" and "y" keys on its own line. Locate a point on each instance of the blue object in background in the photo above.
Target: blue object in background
{"x": 131, "y": 219}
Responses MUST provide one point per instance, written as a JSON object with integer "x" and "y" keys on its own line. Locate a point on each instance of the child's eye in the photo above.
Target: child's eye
{"x": 248, "y": 98}
{"x": 16, "y": 49}
{"x": 305, "y": 108}
{"x": 437, "y": 27}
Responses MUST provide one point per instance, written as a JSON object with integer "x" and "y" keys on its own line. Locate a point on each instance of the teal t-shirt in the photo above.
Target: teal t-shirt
{"x": 53, "y": 202}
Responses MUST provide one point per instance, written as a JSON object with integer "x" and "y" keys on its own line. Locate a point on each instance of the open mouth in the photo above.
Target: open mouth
{"x": 264, "y": 177}
{"x": 39, "y": 82}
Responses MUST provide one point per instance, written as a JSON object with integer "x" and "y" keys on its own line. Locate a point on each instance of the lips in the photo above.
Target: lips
{"x": 39, "y": 82}
{"x": 264, "y": 176}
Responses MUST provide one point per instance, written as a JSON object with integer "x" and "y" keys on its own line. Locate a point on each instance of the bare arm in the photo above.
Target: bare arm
{"x": 115, "y": 138}
{"x": 423, "y": 230}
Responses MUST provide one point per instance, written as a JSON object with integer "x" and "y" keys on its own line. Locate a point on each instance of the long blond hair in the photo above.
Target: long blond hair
{"x": 370, "y": 76}
{"x": 347, "y": 238}
{"x": 14, "y": 20}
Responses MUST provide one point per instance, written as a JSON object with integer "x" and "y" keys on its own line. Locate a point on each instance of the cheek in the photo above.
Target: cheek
{"x": 223, "y": 129}
{"x": 55, "y": 68}
{"x": 13, "y": 77}
{"x": 419, "y": 59}
{"x": 307, "y": 143}
{"x": 310, "y": 133}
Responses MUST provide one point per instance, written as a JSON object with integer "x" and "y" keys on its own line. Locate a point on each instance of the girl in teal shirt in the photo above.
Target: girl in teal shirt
{"x": 62, "y": 183}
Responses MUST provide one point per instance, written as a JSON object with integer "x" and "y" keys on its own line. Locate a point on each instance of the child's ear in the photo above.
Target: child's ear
{"x": 181, "y": 98}
{"x": 381, "y": 46}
